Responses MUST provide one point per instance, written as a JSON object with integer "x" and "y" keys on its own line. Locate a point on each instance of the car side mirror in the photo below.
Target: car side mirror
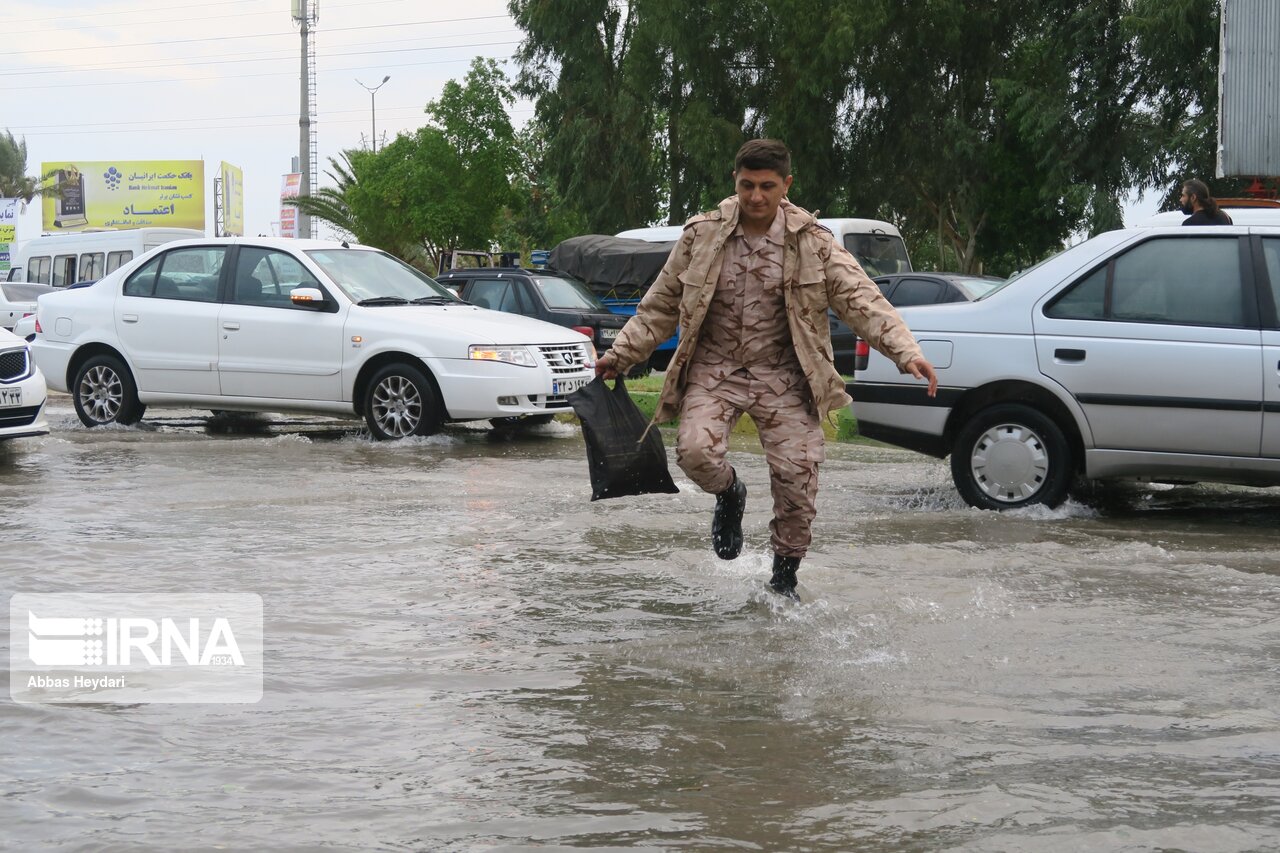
{"x": 307, "y": 297}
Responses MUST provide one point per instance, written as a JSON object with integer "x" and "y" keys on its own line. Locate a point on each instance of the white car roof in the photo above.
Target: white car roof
{"x": 667, "y": 233}
{"x": 270, "y": 242}
{"x": 1239, "y": 216}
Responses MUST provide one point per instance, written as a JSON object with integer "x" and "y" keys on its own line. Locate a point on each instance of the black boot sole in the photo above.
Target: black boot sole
{"x": 732, "y": 520}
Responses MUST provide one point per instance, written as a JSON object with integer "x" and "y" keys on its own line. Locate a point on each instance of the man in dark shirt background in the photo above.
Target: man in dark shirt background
{"x": 1196, "y": 201}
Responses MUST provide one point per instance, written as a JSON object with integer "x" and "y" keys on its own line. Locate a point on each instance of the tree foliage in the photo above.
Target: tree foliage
{"x": 440, "y": 188}
{"x": 592, "y": 69}
{"x": 14, "y": 180}
{"x": 990, "y": 131}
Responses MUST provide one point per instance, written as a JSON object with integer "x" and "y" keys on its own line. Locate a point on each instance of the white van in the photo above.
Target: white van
{"x": 877, "y": 245}
{"x": 63, "y": 259}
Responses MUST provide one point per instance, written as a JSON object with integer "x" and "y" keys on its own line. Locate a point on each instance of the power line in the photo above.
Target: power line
{"x": 131, "y": 11}
{"x": 267, "y": 35}
{"x": 360, "y": 120}
{"x": 173, "y": 20}
{"x": 214, "y": 119}
{"x": 284, "y": 54}
{"x": 276, "y": 73}
{"x": 139, "y": 23}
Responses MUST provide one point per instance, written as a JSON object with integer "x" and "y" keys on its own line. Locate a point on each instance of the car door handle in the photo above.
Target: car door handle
{"x": 128, "y": 318}
{"x": 231, "y": 327}
{"x": 1069, "y": 354}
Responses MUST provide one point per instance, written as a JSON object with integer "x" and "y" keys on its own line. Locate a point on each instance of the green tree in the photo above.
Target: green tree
{"x": 994, "y": 130}
{"x": 594, "y": 72}
{"x": 14, "y": 180}
{"x": 440, "y": 188}
{"x": 537, "y": 216}
{"x": 702, "y": 90}
{"x": 472, "y": 120}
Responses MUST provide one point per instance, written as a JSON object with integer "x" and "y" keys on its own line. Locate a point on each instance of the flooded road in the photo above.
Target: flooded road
{"x": 463, "y": 653}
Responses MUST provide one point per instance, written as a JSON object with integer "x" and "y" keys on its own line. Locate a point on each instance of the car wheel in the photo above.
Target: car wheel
{"x": 400, "y": 402}
{"x": 104, "y": 393}
{"x": 1011, "y": 455}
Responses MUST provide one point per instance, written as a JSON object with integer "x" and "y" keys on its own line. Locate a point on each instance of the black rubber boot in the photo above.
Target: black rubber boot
{"x": 783, "y": 581}
{"x": 726, "y": 526}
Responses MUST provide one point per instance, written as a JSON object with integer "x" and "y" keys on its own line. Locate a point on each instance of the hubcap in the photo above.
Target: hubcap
{"x": 1009, "y": 462}
{"x": 101, "y": 394}
{"x": 397, "y": 406}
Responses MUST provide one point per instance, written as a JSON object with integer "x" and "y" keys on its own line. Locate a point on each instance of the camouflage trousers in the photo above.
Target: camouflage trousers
{"x": 790, "y": 434}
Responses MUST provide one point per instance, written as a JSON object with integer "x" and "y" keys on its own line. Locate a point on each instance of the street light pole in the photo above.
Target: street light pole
{"x": 373, "y": 112}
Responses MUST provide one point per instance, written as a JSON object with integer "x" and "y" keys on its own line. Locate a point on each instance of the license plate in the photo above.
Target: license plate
{"x": 608, "y": 334}
{"x": 567, "y": 386}
{"x": 10, "y": 397}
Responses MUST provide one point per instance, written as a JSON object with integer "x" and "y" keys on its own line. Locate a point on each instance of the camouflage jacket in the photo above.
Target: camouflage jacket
{"x": 816, "y": 274}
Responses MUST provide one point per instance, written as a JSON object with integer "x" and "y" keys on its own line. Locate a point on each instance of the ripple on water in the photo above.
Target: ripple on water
{"x": 464, "y": 651}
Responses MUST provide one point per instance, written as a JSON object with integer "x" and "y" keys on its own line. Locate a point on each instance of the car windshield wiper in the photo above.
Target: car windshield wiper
{"x": 434, "y": 300}
{"x": 384, "y": 300}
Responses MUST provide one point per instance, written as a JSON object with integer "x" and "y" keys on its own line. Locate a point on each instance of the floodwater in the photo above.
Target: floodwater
{"x": 464, "y": 653}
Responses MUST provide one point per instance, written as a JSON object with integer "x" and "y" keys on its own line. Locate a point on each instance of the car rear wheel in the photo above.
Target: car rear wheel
{"x": 104, "y": 393}
{"x": 1011, "y": 455}
{"x": 400, "y": 402}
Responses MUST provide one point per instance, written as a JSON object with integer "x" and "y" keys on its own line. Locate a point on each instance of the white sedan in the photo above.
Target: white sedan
{"x": 299, "y": 325}
{"x": 18, "y": 300}
{"x": 22, "y": 390}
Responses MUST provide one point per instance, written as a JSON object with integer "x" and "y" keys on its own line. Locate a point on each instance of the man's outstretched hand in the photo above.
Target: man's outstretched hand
{"x": 607, "y": 366}
{"x": 919, "y": 368}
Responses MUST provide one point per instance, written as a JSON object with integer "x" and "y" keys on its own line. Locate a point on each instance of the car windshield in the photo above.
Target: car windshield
{"x": 570, "y": 293}
{"x": 879, "y": 254}
{"x": 364, "y": 275}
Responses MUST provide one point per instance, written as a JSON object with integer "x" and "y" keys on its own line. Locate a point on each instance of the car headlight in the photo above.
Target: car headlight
{"x": 507, "y": 355}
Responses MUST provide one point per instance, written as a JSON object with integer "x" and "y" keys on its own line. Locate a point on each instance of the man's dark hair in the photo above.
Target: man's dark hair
{"x": 764, "y": 154}
{"x": 1199, "y": 190}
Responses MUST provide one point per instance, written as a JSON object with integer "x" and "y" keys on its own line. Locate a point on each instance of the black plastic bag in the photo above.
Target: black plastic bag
{"x": 623, "y": 460}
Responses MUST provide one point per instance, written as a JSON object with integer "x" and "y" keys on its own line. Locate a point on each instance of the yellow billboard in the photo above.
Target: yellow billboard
{"x": 121, "y": 194}
{"x": 232, "y": 199}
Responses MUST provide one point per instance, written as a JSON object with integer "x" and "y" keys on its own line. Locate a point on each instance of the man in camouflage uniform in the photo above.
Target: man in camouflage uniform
{"x": 749, "y": 285}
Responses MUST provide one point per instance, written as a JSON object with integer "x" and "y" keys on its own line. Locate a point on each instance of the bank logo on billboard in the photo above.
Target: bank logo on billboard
{"x": 124, "y": 194}
{"x": 135, "y": 648}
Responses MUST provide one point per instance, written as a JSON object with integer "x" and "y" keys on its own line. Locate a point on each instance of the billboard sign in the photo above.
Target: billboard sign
{"x": 289, "y": 187}
{"x": 121, "y": 194}
{"x": 8, "y": 231}
{"x": 232, "y": 200}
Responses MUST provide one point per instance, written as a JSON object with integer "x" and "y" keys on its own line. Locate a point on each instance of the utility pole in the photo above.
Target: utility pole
{"x": 305, "y": 17}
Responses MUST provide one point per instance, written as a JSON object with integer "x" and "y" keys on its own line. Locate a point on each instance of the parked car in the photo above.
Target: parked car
{"x": 913, "y": 288}
{"x": 22, "y": 390}
{"x": 619, "y": 271}
{"x": 1147, "y": 353}
{"x": 555, "y": 297}
{"x": 18, "y": 300}
{"x": 26, "y": 328}
{"x": 298, "y": 325}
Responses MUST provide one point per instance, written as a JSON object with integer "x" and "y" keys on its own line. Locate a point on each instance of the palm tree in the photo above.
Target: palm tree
{"x": 330, "y": 204}
{"x": 14, "y": 181}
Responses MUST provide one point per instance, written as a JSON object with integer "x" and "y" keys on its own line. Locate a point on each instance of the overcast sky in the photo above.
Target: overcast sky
{"x": 89, "y": 80}
{"x": 95, "y": 80}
